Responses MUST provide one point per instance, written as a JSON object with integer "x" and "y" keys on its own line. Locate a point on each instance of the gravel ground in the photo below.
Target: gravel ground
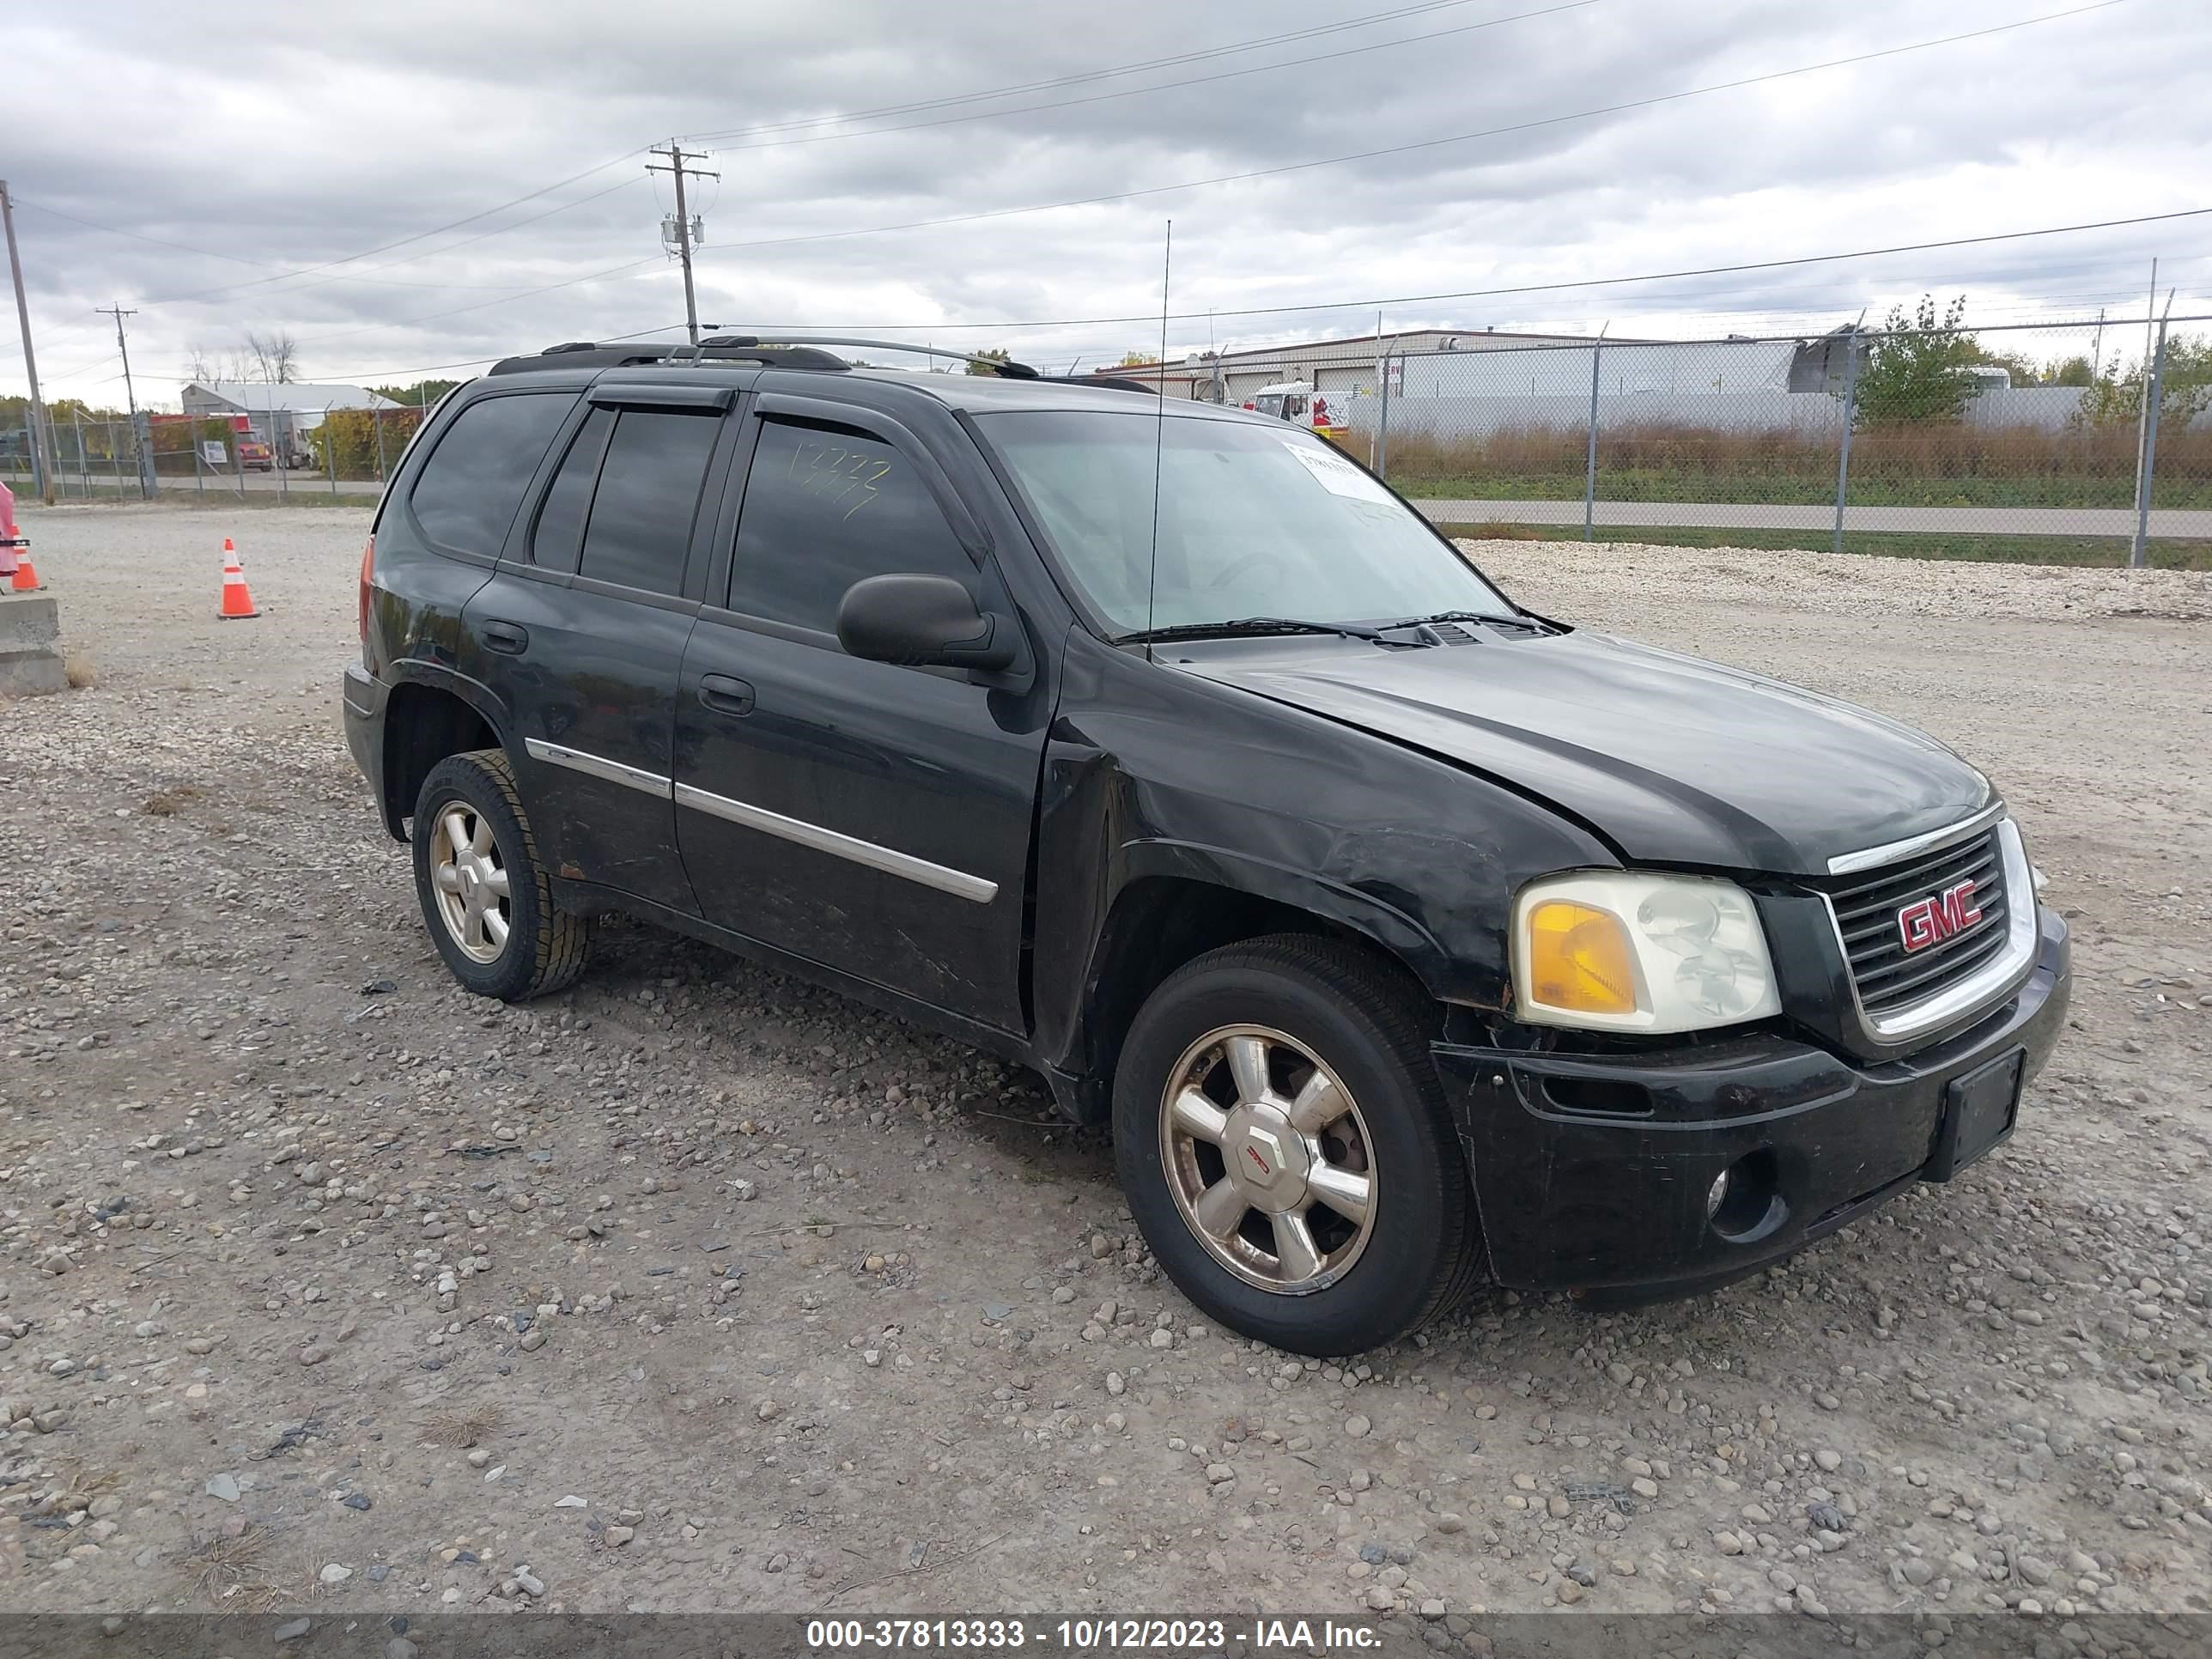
{"x": 322, "y": 1284}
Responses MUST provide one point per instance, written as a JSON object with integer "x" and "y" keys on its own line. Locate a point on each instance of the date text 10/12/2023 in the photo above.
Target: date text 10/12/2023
{"x": 1090, "y": 1635}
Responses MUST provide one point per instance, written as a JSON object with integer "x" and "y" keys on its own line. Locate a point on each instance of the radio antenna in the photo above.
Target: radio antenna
{"x": 1159, "y": 432}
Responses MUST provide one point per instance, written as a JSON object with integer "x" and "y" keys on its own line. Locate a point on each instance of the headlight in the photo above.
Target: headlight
{"x": 1618, "y": 951}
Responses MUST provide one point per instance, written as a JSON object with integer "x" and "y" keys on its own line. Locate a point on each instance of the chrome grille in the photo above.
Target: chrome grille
{"x": 1887, "y": 977}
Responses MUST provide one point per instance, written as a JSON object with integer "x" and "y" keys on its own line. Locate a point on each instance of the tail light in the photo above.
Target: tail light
{"x": 1248, "y": 404}
{"x": 367, "y": 570}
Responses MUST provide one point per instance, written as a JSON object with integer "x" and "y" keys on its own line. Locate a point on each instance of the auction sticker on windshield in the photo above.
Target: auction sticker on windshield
{"x": 1337, "y": 475}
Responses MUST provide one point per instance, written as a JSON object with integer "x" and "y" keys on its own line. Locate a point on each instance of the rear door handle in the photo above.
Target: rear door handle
{"x": 725, "y": 694}
{"x": 512, "y": 638}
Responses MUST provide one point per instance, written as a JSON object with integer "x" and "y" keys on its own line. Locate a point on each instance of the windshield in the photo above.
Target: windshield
{"x": 1254, "y": 521}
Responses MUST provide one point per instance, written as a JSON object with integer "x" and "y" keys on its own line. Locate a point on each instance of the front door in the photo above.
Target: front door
{"x": 871, "y": 818}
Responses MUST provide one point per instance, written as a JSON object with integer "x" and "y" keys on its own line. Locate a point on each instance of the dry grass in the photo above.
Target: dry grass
{"x": 1504, "y": 529}
{"x": 79, "y": 672}
{"x": 1662, "y": 460}
{"x": 168, "y": 803}
{"x": 460, "y": 1430}
{"x": 78, "y": 1483}
{"x": 231, "y": 1571}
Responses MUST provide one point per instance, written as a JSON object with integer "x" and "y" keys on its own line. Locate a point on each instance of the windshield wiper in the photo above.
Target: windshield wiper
{"x": 1251, "y": 625}
{"x": 1534, "y": 623}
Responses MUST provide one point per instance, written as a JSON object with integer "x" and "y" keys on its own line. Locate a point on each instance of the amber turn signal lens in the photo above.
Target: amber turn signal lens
{"x": 1580, "y": 960}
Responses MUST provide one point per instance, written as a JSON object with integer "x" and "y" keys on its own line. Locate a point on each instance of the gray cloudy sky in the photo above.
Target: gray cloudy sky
{"x": 267, "y": 154}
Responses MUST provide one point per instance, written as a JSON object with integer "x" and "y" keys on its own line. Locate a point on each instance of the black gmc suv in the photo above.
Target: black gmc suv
{"x": 1407, "y": 938}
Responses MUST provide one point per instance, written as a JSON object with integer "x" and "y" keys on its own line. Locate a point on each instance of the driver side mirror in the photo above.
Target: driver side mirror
{"x": 923, "y": 622}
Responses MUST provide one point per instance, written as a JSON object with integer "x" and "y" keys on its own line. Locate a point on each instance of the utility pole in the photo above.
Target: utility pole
{"x": 130, "y": 393}
{"x": 40, "y": 458}
{"x": 130, "y": 396}
{"x": 686, "y": 231}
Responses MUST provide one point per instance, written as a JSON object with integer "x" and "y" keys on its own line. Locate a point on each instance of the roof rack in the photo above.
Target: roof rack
{"x": 1000, "y": 367}
{"x": 1110, "y": 382}
{"x": 787, "y": 352}
{"x": 589, "y": 353}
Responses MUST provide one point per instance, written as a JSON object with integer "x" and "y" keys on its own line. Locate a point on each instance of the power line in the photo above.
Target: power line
{"x": 1433, "y": 143}
{"x": 349, "y": 258}
{"x": 1169, "y": 86}
{"x": 1172, "y": 62}
{"x": 207, "y": 253}
{"x": 481, "y": 236}
{"x": 1369, "y": 302}
{"x": 284, "y": 273}
{"x": 549, "y": 288}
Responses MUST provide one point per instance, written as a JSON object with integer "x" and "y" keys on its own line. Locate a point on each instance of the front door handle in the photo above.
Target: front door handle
{"x": 512, "y": 638}
{"x": 726, "y": 694}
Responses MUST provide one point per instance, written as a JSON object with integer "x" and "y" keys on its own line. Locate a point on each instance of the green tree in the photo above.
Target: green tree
{"x": 2184, "y": 388}
{"x": 1139, "y": 358}
{"x": 361, "y": 443}
{"x": 2073, "y": 371}
{"x": 981, "y": 363}
{"x": 1919, "y": 372}
{"x": 421, "y": 395}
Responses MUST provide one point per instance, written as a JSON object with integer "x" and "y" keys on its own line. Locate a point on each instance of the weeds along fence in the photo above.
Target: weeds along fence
{"x": 2020, "y": 443}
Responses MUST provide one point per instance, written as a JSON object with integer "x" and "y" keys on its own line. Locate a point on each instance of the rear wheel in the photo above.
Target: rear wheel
{"x": 1286, "y": 1147}
{"x": 486, "y": 898}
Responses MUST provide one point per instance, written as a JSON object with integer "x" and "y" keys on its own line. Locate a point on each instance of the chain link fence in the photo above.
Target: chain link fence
{"x": 2032, "y": 443}
{"x": 2075, "y": 442}
{"x": 329, "y": 453}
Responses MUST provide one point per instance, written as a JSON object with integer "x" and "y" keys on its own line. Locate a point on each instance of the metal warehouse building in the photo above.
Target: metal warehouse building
{"x": 1343, "y": 368}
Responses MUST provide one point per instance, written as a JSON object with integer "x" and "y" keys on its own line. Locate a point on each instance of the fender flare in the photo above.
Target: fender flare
{"x": 437, "y": 677}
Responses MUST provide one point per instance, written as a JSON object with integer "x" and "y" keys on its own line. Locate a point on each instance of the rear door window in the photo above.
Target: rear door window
{"x": 639, "y": 529}
{"x": 469, "y": 491}
{"x": 825, "y": 507}
{"x": 558, "y": 536}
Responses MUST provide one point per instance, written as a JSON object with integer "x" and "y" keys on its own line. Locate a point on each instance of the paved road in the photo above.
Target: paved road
{"x": 1730, "y": 515}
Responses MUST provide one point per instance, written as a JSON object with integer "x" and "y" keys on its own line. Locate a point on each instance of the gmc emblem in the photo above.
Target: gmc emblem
{"x": 1931, "y": 921}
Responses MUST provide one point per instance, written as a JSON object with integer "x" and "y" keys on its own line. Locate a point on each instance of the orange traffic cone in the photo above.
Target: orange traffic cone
{"x": 26, "y": 578}
{"x": 237, "y": 598}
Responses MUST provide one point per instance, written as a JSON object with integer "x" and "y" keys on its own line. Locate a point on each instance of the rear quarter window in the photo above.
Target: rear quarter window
{"x": 470, "y": 490}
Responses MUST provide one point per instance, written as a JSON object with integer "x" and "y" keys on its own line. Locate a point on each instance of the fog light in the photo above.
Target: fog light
{"x": 1716, "y": 1194}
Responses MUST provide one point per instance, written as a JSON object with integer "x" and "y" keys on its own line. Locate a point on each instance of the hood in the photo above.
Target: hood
{"x": 1672, "y": 759}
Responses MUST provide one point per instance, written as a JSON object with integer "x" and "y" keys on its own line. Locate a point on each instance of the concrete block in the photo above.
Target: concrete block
{"x": 29, "y": 619}
{"x": 30, "y": 657}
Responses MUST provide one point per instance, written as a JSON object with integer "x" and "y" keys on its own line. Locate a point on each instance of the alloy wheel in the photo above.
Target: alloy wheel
{"x": 1269, "y": 1159}
{"x": 470, "y": 874}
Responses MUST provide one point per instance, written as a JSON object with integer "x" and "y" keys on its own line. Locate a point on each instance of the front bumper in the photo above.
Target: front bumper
{"x": 1593, "y": 1172}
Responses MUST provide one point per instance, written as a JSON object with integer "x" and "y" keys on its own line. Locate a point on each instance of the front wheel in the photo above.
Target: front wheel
{"x": 1286, "y": 1150}
{"x": 490, "y": 906}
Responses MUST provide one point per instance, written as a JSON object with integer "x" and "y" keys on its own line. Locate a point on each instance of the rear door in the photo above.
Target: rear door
{"x": 871, "y": 818}
{"x": 583, "y": 625}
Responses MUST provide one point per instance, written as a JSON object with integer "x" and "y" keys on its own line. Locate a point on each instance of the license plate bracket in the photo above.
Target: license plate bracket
{"x": 1979, "y": 1111}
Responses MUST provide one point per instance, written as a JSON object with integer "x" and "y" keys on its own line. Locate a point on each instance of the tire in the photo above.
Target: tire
{"x": 533, "y": 946}
{"x": 1350, "y": 1026}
